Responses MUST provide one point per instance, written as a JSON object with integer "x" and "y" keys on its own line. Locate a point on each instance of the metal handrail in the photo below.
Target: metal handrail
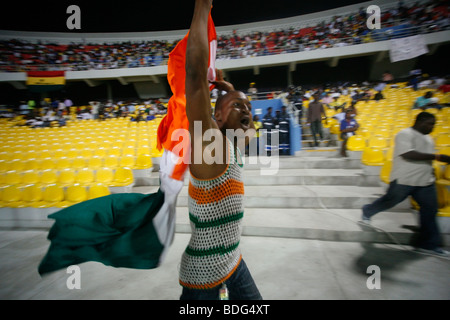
{"x": 248, "y": 51}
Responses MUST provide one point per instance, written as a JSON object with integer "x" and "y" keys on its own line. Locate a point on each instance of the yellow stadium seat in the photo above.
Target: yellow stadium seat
{"x": 127, "y": 161}
{"x": 104, "y": 175}
{"x": 377, "y": 142}
{"x": 31, "y": 194}
{"x": 17, "y": 165}
{"x": 72, "y": 153}
{"x": 76, "y": 193}
{"x": 157, "y": 153}
{"x": 66, "y": 177}
{"x": 372, "y": 157}
{"x": 47, "y": 163}
{"x": 95, "y": 162}
{"x": 12, "y": 178}
{"x": 143, "y": 161}
{"x": 356, "y": 143}
{"x": 143, "y": 150}
{"x": 101, "y": 152}
{"x": 98, "y": 190}
{"x": 442, "y": 140}
{"x": 4, "y": 165}
{"x": 49, "y": 176}
{"x": 122, "y": 177}
{"x": 386, "y": 171}
{"x": 30, "y": 177}
{"x": 84, "y": 176}
{"x": 111, "y": 161}
{"x": 128, "y": 151}
{"x": 79, "y": 162}
{"x": 86, "y": 153}
{"x": 115, "y": 151}
{"x": 52, "y": 196}
{"x": 63, "y": 163}
{"x": 12, "y": 196}
{"x": 31, "y": 164}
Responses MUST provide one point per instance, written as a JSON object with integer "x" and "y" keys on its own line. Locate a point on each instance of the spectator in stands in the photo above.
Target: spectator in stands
{"x": 413, "y": 175}
{"x": 253, "y": 91}
{"x": 314, "y": 118}
{"x": 348, "y": 127}
{"x": 424, "y": 101}
{"x": 378, "y": 96}
{"x": 253, "y": 148}
{"x": 387, "y": 77}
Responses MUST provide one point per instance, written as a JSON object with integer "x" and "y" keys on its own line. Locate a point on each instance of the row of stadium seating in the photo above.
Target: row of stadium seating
{"x": 44, "y": 167}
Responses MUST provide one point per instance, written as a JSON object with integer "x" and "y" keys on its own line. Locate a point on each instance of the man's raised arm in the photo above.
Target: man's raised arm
{"x": 198, "y": 105}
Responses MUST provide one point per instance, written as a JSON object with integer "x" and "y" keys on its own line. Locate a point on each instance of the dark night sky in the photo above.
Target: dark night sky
{"x": 133, "y": 15}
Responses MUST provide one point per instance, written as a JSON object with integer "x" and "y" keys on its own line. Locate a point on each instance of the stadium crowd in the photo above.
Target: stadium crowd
{"x": 19, "y": 55}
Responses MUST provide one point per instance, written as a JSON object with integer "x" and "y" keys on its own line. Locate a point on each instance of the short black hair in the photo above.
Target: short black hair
{"x": 423, "y": 116}
{"x": 219, "y": 99}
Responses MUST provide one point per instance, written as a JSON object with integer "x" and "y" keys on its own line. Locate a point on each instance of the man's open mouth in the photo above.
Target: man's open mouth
{"x": 245, "y": 121}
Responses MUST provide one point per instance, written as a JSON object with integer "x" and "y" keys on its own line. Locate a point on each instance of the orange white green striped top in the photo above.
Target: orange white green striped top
{"x": 216, "y": 210}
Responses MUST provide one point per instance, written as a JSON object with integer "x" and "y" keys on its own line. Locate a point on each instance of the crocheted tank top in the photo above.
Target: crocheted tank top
{"x": 216, "y": 210}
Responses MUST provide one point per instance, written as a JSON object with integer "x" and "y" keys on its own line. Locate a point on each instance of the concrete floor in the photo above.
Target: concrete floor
{"x": 283, "y": 269}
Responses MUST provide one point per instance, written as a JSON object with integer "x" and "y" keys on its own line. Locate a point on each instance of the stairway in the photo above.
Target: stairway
{"x": 313, "y": 195}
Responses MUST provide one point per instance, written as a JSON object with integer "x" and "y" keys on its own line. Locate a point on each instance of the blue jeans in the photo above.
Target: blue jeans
{"x": 240, "y": 287}
{"x": 316, "y": 128}
{"x": 426, "y": 198}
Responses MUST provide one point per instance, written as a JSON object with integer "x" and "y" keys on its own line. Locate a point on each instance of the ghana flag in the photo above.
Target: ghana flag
{"x": 44, "y": 81}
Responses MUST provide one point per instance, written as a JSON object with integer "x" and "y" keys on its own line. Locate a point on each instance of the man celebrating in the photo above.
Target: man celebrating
{"x": 212, "y": 266}
{"x": 412, "y": 174}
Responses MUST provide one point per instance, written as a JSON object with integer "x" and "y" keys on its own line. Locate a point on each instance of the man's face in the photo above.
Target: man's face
{"x": 235, "y": 112}
{"x": 426, "y": 126}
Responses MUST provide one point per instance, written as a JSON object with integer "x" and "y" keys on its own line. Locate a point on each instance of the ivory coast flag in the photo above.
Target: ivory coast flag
{"x": 175, "y": 164}
{"x": 130, "y": 230}
{"x": 43, "y": 81}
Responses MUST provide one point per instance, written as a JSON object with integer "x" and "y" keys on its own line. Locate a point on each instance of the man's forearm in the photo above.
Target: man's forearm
{"x": 197, "y": 51}
{"x": 418, "y": 156}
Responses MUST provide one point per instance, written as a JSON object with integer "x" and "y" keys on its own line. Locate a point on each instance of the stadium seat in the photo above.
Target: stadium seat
{"x": 127, "y": 161}
{"x": 47, "y": 163}
{"x": 31, "y": 195}
{"x": 115, "y": 151}
{"x": 76, "y": 193}
{"x": 98, "y": 190}
{"x": 66, "y": 177}
{"x": 63, "y": 163}
{"x": 52, "y": 196}
{"x": 104, "y": 175}
{"x": 79, "y": 162}
{"x": 11, "y": 196}
{"x": 30, "y": 177}
{"x": 378, "y": 142}
{"x": 49, "y": 176}
{"x": 356, "y": 143}
{"x": 17, "y": 165}
{"x": 386, "y": 171}
{"x": 143, "y": 161}
{"x": 143, "y": 150}
{"x": 84, "y": 176}
{"x": 442, "y": 140}
{"x": 372, "y": 157}
{"x": 122, "y": 177}
{"x": 95, "y": 162}
{"x": 111, "y": 161}
{"x": 12, "y": 178}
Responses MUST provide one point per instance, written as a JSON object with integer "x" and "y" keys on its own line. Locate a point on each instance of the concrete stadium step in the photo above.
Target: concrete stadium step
{"x": 295, "y": 196}
{"x": 288, "y": 177}
{"x": 321, "y": 224}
